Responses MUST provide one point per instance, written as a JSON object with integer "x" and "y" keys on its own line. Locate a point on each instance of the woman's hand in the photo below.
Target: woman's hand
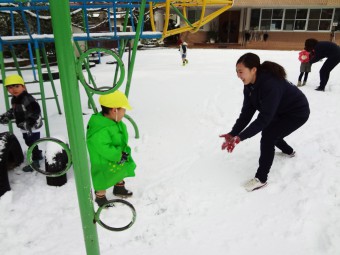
{"x": 230, "y": 142}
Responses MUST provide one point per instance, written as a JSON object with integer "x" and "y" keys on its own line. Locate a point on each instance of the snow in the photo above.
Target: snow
{"x": 53, "y": 148}
{"x": 188, "y": 193}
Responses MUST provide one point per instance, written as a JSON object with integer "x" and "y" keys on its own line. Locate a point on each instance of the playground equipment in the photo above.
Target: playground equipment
{"x": 168, "y": 6}
{"x": 70, "y": 72}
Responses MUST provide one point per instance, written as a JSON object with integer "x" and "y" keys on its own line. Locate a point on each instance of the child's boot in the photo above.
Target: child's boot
{"x": 28, "y": 168}
{"x": 304, "y": 83}
{"x": 299, "y": 84}
{"x": 183, "y": 63}
{"x": 120, "y": 190}
{"x": 101, "y": 200}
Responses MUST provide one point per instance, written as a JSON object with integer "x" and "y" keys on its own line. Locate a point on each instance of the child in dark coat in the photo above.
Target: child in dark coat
{"x": 27, "y": 114}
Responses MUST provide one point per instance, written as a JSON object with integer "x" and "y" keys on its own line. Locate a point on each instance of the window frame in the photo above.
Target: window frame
{"x": 302, "y": 22}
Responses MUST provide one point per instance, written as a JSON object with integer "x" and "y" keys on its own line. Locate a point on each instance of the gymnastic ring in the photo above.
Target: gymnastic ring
{"x": 109, "y": 204}
{"x": 82, "y": 78}
{"x": 59, "y": 142}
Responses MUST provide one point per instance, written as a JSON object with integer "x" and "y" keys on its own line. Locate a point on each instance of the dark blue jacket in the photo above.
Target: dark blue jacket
{"x": 325, "y": 50}
{"x": 274, "y": 98}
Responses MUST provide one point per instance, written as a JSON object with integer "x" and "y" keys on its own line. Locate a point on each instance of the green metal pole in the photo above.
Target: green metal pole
{"x": 42, "y": 89}
{"x": 43, "y": 50}
{"x": 181, "y": 15}
{"x": 61, "y": 23}
{"x": 135, "y": 45}
{"x": 15, "y": 60}
{"x": 3, "y": 75}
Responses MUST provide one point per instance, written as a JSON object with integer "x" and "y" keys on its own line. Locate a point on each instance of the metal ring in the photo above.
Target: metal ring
{"x": 50, "y": 139}
{"x": 82, "y": 78}
{"x": 109, "y": 204}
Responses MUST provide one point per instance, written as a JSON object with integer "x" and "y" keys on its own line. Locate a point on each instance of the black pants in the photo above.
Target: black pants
{"x": 29, "y": 140}
{"x": 11, "y": 156}
{"x": 273, "y": 136}
{"x": 301, "y": 75}
{"x": 326, "y": 68}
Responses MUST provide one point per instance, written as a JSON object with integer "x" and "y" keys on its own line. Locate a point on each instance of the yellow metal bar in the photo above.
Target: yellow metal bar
{"x": 167, "y": 17}
{"x": 185, "y": 12}
{"x": 194, "y": 3}
{"x": 184, "y": 4}
{"x": 197, "y": 24}
{"x": 152, "y": 20}
{"x": 201, "y": 18}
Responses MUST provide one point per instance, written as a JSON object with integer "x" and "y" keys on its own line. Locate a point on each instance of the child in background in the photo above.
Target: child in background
{"x": 305, "y": 67}
{"x": 183, "y": 48}
{"x": 107, "y": 142}
{"x": 27, "y": 114}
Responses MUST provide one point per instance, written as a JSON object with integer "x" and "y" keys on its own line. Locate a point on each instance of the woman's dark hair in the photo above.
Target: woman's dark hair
{"x": 310, "y": 44}
{"x": 251, "y": 60}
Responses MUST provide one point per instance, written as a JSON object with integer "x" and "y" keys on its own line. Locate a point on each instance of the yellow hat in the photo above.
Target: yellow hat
{"x": 14, "y": 80}
{"x": 116, "y": 99}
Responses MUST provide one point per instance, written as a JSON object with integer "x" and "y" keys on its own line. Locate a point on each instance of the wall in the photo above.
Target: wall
{"x": 288, "y": 40}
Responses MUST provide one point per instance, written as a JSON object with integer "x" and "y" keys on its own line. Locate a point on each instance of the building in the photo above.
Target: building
{"x": 271, "y": 24}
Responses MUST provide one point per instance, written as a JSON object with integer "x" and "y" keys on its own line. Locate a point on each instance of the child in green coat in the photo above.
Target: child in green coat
{"x": 107, "y": 142}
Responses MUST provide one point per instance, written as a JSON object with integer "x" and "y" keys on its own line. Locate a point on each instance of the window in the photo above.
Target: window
{"x": 193, "y": 16}
{"x": 336, "y": 20}
{"x": 320, "y": 19}
{"x": 301, "y": 19}
{"x": 289, "y": 19}
{"x": 295, "y": 19}
{"x": 271, "y": 19}
{"x": 255, "y": 19}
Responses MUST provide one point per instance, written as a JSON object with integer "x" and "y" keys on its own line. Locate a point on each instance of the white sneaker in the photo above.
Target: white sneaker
{"x": 254, "y": 184}
{"x": 292, "y": 155}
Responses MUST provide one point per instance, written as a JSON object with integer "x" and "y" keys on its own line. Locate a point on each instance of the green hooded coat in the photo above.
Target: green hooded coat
{"x": 106, "y": 141}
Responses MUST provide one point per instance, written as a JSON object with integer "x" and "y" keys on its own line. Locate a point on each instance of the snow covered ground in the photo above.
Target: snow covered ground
{"x": 187, "y": 192}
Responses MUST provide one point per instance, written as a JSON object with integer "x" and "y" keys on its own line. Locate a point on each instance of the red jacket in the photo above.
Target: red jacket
{"x": 304, "y": 56}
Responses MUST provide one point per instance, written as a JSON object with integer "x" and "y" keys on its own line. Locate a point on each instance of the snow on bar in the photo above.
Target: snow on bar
{"x": 82, "y": 36}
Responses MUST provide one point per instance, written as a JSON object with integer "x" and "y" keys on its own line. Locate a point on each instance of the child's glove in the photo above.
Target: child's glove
{"x": 23, "y": 125}
{"x": 124, "y": 158}
{"x": 4, "y": 119}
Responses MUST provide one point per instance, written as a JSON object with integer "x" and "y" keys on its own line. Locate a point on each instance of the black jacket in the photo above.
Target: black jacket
{"x": 26, "y": 112}
{"x": 325, "y": 50}
{"x": 274, "y": 98}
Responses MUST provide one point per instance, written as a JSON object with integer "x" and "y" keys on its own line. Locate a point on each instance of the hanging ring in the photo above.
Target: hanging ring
{"x": 109, "y": 204}
{"x": 50, "y": 139}
{"x": 82, "y": 78}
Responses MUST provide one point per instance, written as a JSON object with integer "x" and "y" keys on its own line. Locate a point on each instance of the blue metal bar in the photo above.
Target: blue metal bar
{"x": 109, "y": 15}
{"x": 86, "y": 20}
{"x": 151, "y": 35}
{"x": 114, "y": 18}
{"x": 26, "y": 23}
{"x": 12, "y": 23}
{"x": 73, "y": 7}
{"x": 76, "y": 2}
{"x": 38, "y": 22}
{"x": 132, "y": 21}
{"x": 32, "y": 60}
